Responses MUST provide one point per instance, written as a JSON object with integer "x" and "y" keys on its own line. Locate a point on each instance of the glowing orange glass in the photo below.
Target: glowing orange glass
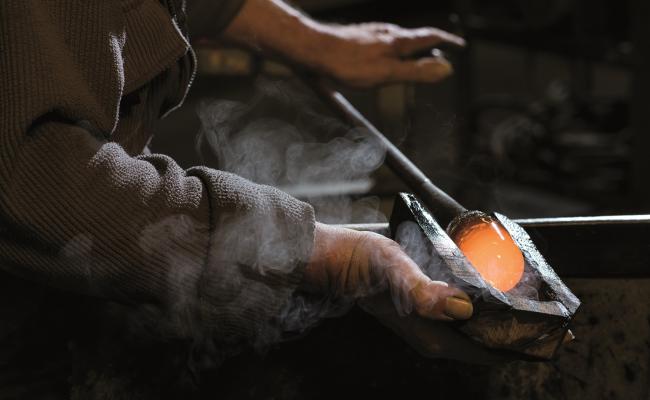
{"x": 491, "y": 250}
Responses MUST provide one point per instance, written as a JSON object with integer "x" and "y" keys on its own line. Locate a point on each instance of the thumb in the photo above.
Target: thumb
{"x": 438, "y": 300}
{"x": 410, "y": 41}
{"x": 429, "y": 70}
{"x": 412, "y": 289}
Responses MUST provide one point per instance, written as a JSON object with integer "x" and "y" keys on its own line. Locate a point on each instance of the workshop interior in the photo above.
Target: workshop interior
{"x": 522, "y": 178}
{"x": 544, "y": 122}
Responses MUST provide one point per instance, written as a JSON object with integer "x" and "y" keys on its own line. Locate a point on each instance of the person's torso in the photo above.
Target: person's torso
{"x": 40, "y": 326}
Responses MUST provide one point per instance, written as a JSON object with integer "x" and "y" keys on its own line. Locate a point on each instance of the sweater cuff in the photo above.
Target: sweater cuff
{"x": 260, "y": 241}
{"x": 208, "y": 18}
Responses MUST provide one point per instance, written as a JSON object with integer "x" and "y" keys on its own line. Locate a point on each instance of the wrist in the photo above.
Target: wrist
{"x": 293, "y": 35}
{"x": 312, "y": 44}
{"x": 330, "y": 258}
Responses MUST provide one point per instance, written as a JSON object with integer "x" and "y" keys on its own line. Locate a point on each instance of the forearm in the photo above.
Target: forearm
{"x": 200, "y": 245}
{"x": 88, "y": 218}
{"x": 359, "y": 55}
{"x": 273, "y": 26}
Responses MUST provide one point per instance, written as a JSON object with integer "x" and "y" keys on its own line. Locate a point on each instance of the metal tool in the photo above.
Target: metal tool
{"x": 440, "y": 203}
{"x": 590, "y": 247}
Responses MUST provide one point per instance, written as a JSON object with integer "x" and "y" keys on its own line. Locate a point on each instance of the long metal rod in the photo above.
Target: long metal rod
{"x": 529, "y": 223}
{"x": 612, "y": 246}
{"x": 443, "y": 206}
{"x": 583, "y": 247}
{"x": 590, "y": 221}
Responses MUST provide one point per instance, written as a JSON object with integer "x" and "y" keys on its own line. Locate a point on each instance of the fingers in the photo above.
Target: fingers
{"x": 427, "y": 70}
{"x": 437, "y": 300}
{"x": 410, "y": 41}
{"x": 412, "y": 289}
{"x": 378, "y": 262}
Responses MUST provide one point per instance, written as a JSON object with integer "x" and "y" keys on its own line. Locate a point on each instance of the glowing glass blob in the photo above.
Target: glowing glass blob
{"x": 491, "y": 250}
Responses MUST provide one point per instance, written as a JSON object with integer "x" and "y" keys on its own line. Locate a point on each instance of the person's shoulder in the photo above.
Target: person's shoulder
{"x": 66, "y": 57}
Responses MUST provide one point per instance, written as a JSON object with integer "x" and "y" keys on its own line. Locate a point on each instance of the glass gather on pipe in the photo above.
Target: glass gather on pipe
{"x": 489, "y": 248}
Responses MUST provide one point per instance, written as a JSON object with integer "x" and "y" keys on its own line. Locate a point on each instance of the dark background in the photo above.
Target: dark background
{"x": 546, "y": 114}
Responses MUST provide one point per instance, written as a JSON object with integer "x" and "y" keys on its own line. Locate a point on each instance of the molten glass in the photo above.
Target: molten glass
{"x": 490, "y": 249}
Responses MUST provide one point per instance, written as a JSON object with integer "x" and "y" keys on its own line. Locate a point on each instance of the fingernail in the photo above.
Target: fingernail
{"x": 460, "y": 41}
{"x": 445, "y": 69}
{"x": 458, "y": 308}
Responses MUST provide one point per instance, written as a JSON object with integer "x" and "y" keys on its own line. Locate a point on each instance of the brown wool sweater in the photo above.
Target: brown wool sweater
{"x": 207, "y": 254}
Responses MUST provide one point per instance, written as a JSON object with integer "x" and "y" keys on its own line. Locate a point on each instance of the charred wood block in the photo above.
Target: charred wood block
{"x": 530, "y": 319}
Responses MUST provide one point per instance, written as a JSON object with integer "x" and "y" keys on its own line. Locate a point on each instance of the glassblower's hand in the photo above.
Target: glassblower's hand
{"x": 360, "y": 264}
{"x": 375, "y": 53}
{"x": 392, "y": 288}
{"x": 358, "y": 54}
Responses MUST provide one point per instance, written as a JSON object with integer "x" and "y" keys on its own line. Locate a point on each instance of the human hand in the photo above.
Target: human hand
{"x": 363, "y": 55}
{"x": 374, "y": 53}
{"x": 348, "y": 263}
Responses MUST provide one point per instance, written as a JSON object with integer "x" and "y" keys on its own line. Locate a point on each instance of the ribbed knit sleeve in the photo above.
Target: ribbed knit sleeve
{"x": 211, "y": 253}
{"x": 208, "y": 18}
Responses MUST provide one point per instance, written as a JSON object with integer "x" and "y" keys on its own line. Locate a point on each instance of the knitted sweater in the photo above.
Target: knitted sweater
{"x": 198, "y": 255}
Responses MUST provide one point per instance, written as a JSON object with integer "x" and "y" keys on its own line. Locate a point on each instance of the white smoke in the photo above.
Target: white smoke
{"x": 308, "y": 154}
{"x": 315, "y": 156}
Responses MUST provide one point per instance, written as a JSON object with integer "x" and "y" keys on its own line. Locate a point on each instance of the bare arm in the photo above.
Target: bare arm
{"x": 360, "y": 55}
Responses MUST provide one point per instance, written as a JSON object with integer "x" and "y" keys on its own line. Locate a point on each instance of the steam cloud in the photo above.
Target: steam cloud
{"x": 248, "y": 140}
{"x": 311, "y": 153}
